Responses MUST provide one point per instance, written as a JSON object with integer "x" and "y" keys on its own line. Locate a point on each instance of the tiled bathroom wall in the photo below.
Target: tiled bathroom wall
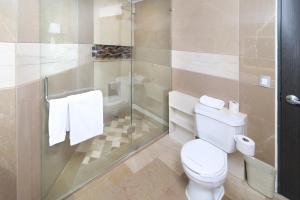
{"x": 8, "y": 158}
{"x": 112, "y": 29}
{"x": 8, "y": 150}
{"x": 220, "y": 48}
{"x": 257, "y": 57}
{"x": 205, "y": 48}
{"x": 28, "y": 96}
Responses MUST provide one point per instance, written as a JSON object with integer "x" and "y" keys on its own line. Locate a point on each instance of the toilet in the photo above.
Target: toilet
{"x": 204, "y": 160}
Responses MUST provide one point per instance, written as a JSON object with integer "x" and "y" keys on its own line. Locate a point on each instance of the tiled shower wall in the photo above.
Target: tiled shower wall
{"x": 19, "y": 67}
{"x": 220, "y": 48}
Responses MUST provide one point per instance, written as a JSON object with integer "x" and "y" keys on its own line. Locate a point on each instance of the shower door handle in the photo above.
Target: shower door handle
{"x": 292, "y": 99}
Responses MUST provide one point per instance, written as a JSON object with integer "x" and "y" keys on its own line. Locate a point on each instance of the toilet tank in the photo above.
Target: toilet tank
{"x": 219, "y": 127}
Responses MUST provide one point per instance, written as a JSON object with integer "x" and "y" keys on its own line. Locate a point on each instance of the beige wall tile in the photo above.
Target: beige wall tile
{"x": 197, "y": 84}
{"x": 28, "y": 21}
{"x": 152, "y": 24}
{"x": 257, "y": 49}
{"x": 220, "y": 65}
{"x": 65, "y": 15}
{"x": 112, "y": 29}
{"x": 85, "y": 21}
{"x": 8, "y": 20}
{"x": 60, "y": 83}
{"x": 28, "y": 126}
{"x": 257, "y": 18}
{"x": 8, "y": 154}
{"x": 7, "y": 185}
{"x": 57, "y": 58}
{"x": 256, "y": 67}
{"x": 205, "y": 26}
{"x": 27, "y": 58}
{"x": 7, "y": 124}
{"x": 152, "y": 55}
{"x": 261, "y": 119}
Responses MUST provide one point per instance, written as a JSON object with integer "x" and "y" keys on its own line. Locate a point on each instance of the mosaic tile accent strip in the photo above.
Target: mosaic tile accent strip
{"x": 112, "y": 52}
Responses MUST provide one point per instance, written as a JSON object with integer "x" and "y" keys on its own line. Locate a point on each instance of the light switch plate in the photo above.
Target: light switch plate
{"x": 265, "y": 81}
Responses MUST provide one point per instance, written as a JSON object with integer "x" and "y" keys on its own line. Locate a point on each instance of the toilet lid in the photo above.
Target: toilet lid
{"x": 203, "y": 158}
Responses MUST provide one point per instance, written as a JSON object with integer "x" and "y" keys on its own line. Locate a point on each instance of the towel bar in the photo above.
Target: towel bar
{"x": 64, "y": 94}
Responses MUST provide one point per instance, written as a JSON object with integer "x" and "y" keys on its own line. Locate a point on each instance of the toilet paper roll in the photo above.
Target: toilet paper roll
{"x": 234, "y": 106}
{"x": 245, "y": 145}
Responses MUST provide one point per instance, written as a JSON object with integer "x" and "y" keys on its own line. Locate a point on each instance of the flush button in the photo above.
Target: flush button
{"x": 265, "y": 81}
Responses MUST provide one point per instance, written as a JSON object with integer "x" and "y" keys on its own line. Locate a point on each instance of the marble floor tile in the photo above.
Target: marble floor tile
{"x": 140, "y": 160}
{"x": 155, "y": 178}
{"x": 152, "y": 182}
{"x": 105, "y": 187}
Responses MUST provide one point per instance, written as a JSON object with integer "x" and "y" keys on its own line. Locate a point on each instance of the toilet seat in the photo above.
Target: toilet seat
{"x": 204, "y": 161}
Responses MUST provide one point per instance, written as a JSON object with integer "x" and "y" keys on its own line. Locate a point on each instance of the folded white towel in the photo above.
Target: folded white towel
{"x": 86, "y": 116}
{"x": 58, "y": 119}
{"x": 212, "y": 102}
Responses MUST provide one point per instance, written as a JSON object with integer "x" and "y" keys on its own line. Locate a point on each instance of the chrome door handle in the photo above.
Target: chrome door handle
{"x": 292, "y": 99}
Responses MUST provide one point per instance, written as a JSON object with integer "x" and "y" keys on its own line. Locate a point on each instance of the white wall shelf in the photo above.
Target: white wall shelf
{"x": 181, "y": 115}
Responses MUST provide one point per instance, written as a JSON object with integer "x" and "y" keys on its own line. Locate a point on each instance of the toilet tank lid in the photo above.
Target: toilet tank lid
{"x": 223, "y": 115}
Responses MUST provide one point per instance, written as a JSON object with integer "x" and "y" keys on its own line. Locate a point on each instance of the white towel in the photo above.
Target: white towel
{"x": 212, "y": 102}
{"x": 58, "y": 119}
{"x": 86, "y": 116}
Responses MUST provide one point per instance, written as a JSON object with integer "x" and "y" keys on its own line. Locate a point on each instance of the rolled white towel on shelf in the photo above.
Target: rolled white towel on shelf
{"x": 212, "y": 102}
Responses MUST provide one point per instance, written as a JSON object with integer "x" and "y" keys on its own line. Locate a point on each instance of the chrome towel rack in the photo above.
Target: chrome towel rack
{"x": 64, "y": 94}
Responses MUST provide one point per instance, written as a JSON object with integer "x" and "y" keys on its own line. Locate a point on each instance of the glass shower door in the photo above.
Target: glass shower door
{"x": 86, "y": 45}
{"x": 121, "y": 47}
{"x": 151, "y": 69}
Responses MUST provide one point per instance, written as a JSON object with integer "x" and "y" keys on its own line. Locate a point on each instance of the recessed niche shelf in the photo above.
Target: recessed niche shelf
{"x": 181, "y": 116}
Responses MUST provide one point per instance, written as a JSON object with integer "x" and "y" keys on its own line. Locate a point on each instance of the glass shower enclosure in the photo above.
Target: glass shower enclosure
{"x": 120, "y": 47}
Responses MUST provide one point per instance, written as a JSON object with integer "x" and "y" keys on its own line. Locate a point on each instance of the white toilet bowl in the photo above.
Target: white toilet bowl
{"x": 206, "y": 167}
{"x": 205, "y": 160}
